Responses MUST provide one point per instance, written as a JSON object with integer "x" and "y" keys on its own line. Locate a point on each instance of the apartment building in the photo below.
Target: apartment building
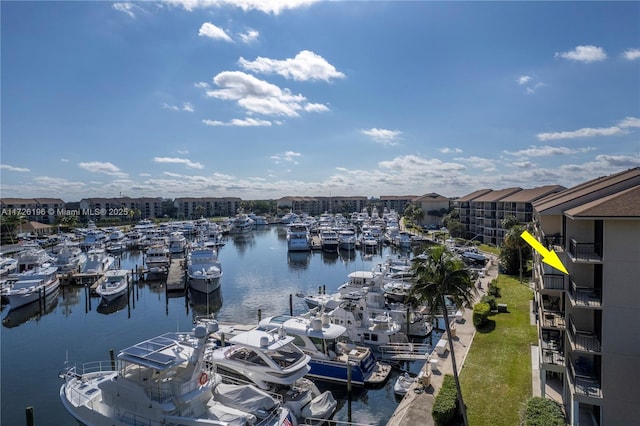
{"x": 433, "y": 205}
{"x": 315, "y": 206}
{"x": 483, "y": 211}
{"x": 589, "y": 320}
{"x": 122, "y": 208}
{"x": 43, "y": 210}
{"x": 194, "y": 208}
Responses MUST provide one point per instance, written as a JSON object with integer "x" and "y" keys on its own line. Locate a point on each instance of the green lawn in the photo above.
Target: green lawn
{"x": 496, "y": 378}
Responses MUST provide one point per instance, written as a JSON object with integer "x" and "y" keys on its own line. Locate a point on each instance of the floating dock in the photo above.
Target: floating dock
{"x": 176, "y": 278}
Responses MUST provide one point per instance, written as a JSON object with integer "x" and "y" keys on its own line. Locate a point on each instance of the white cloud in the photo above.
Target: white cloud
{"x": 544, "y": 151}
{"x": 128, "y": 8}
{"x": 274, "y": 7}
{"x": 316, "y": 107}
{"x": 258, "y": 96}
{"x": 188, "y": 163}
{"x": 249, "y": 36}
{"x": 306, "y": 65}
{"x": 384, "y": 136}
{"x": 183, "y": 151}
{"x": 186, "y": 106}
{"x": 584, "y": 54}
{"x": 247, "y": 122}
{"x": 64, "y": 160}
{"x": 475, "y": 162}
{"x": 619, "y": 129}
{"x": 102, "y": 167}
{"x": 523, "y": 79}
{"x": 289, "y": 157}
{"x": 632, "y": 54}
{"x": 209, "y": 30}
{"x": 447, "y": 150}
{"x": 619, "y": 160}
{"x": 14, "y": 169}
{"x": 201, "y": 85}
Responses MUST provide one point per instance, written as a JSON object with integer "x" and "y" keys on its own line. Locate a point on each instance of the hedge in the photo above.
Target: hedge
{"x": 481, "y": 312}
{"x": 445, "y": 405}
{"x": 540, "y": 411}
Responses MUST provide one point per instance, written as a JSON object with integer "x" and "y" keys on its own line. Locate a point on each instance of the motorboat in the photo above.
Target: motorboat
{"x": 70, "y": 258}
{"x": 93, "y": 238}
{"x": 98, "y": 262}
{"x": 403, "y": 383}
{"x": 158, "y": 258}
{"x": 331, "y": 352}
{"x": 329, "y": 240}
{"x": 203, "y": 269}
{"x": 402, "y": 240}
{"x": 32, "y": 285}
{"x": 298, "y": 237}
{"x": 114, "y": 284}
{"x": 271, "y": 361}
{"x": 369, "y": 242}
{"x": 18, "y": 316}
{"x": 32, "y": 257}
{"x": 165, "y": 380}
{"x": 347, "y": 237}
{"x": 177, "y": 242}
{"x": 241, "y": 224}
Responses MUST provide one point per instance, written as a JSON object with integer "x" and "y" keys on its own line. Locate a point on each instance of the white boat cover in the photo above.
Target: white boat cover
{"x": 321, "y": 407}
{"x": 231, "y": 416}
{"x": 244, "y": 397}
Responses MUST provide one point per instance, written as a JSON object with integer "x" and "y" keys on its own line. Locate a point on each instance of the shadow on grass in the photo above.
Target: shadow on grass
{"x": 487, "y": 327}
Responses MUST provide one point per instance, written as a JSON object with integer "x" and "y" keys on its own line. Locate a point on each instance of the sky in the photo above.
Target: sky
{"x": 262, "y": 99}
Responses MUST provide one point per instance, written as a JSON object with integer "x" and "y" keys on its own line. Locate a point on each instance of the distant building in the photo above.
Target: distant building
{"x": 396, "y": 202}
{"x": 315, "y": 206}
{"x": 194, "y": 208}
{"x": 123, "y": 208}
{"x": 482, "y": 211}
{"x": 435, "y": 206}
{"x": 588, "y": 321}
{"x": 43, "y": 210}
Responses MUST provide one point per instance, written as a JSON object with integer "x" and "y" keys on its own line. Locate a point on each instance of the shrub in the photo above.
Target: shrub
{"x": 481, "y": 312}
{"x": 540, "y": 411}
{"x": 494, "y": 290}
{"x": 445, "y": 405}
{"x": 491, "y": 301}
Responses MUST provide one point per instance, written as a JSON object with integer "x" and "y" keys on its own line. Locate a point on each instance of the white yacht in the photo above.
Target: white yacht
{"x": 347, "y": 237}
{"x": 8, "y": 265}
{"x": 32, "y": 285}
{"x": 329, "y": 239}
{"x": 164, "y": 381}
{"x": 241, "y": 224}
{"x": 203, "y": 269}
{"x": 331, "y": 352}
{"x": 177, "y": 242}
{"x": 271, "y": 361}
{"x": 115, "y": 284}
{"x": 298, "y": 237}
{"x": 31, "y": 258}
{"x": 98, "y": 261}
{"x": 70, "y": 258}
{"x": 157, "y": 258}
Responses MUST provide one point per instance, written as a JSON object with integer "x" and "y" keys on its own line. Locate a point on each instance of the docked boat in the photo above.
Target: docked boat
{"x": 331, "y": 352}
{"x": 98, "y": 262}
{"x": 165, "y": 380}
{"x": 329, "y": 240}
{"x": 347, "y": 237}
{"x": 115, "y": 284}
{"x": 93, "y": 238}
{"x": 271, "y": 361}
{"x": 298, "y": 237}
{"x": 402, "y": 240}
{"x": 241, "y": 224}
{"x": 203, "y": 269}
{"x": 18, "y": 316}
{"x": 157, "y": 258}
{"x": 403, "y": 383}
{"x": 32, "y": 257}
{"x": 70, "y": 258}
{"x": 368, "y": 242}
{"x": 33, "y": 285}
{"x": 177, "y": 242}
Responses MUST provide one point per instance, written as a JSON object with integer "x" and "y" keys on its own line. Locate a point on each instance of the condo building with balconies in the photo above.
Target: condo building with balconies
{"x": 589, "y": 320}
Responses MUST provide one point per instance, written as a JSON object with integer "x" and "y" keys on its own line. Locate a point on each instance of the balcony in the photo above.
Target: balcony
{"x": 551, "y": 349}
{"x": 585, "y": 297}
{"x": 583, "y": 378}
{"x": 552, "y": 281}
{"x": 553, "y": 242}
{"x": 584, "y": 252}
{"x": 581, "y": 340}
{"x": 552, "y": 319}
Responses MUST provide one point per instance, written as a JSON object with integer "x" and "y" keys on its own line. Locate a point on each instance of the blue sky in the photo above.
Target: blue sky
{"x": 261, "y": 99}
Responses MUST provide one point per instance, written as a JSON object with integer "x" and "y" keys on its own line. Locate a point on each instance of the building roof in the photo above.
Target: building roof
{"x": 398, "y": 197}
{"x": 473, "y": 195}
{"x": 498, "y": 195}
{"x": 588, "y": 190}
{"x": 530, "y": 195}
{"x": 624, "y": 204}
{"x": 432, "y": 197}
{"x": 49, "y": 201}
{"x": 14, "y": 201}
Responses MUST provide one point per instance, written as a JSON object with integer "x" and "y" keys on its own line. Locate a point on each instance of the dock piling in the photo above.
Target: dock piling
{"x": 291, "y": 304}
{"x": 259, "y": 315}
{"x": 29, "y": 414}
{"x": 113, "y": 359}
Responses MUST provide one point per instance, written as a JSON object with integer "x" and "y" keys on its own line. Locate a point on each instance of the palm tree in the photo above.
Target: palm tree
{"x": 439, "y": 275}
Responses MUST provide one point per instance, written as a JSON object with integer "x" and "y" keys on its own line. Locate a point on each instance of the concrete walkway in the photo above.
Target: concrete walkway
{"x": 417, "y": 405}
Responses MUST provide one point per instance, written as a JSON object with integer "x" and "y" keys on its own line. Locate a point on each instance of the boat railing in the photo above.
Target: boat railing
{"x": 134, "y": 419}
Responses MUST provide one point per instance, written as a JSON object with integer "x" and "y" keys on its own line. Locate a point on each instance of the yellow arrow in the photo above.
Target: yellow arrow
{"x": 548, "y": 256}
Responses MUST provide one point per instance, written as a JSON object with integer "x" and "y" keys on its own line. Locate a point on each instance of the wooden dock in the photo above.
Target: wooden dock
{"x": 316, "y": 244}
{"x": 176, "y": 279}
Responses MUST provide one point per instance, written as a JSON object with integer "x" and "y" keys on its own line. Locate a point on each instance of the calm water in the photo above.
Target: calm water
{"x": 259, "y": 274}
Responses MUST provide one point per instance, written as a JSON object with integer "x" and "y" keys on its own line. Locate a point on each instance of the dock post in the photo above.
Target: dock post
{"x": 324, "y": 289}
{"x": 89, "y": 295}
{"x": 113, "y": 360}
{"x": 259, "y": 315}
{"x": 291, "y": 304}
{"x": 319, "y": 289}
{"x": 408, "y": 322}
{"x": 29, "y": 413}
{"x": 349, "y": 379}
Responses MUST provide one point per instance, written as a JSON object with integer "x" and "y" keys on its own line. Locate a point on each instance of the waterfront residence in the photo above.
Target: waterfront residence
{"x": 588, "y": 328}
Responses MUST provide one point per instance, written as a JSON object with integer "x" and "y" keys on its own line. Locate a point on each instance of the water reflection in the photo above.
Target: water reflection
{"x": 298, "y": 259}
{"x": 34, "y": 310}
{"x": 205, "y": 303}
{"x": 114, "y": 305}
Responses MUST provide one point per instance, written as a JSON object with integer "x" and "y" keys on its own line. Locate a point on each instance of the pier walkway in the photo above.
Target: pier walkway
{"x": 176, "y": 279}
{"x": 416, "y": 406}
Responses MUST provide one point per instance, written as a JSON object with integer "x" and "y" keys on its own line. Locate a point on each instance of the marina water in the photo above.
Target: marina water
{"x": 259, "y": 275}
